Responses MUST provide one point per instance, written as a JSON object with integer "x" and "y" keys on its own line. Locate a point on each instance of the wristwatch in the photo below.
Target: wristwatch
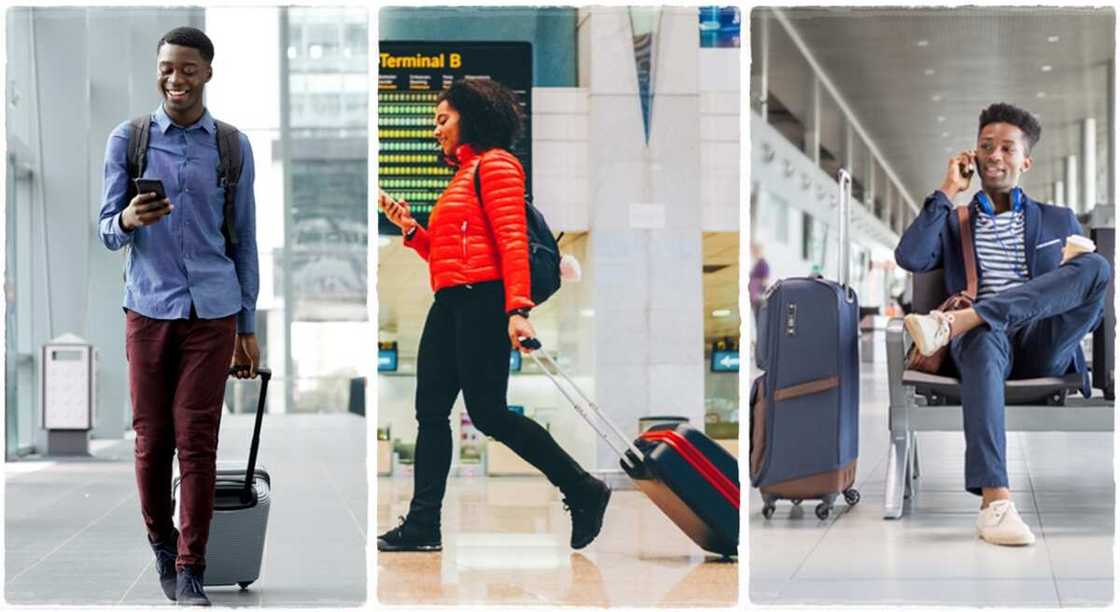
{"x": 524, "y": 312}
{"x": 410, "y": 233}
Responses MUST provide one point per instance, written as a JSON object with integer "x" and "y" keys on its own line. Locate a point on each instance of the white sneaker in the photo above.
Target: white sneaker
{"x": 929, "y": 331}
{"x": 1001, "y": 524}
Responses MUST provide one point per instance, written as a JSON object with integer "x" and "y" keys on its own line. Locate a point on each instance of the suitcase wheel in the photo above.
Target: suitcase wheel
{"x": 851, "y": 496}
{"x": 767, "y": 511}
{"x": 823, "y": 510}
{"x": 244, "y": 585}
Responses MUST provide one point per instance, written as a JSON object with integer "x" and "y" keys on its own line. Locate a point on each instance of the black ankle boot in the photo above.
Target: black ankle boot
{"x": 166, "y": 550}
{"x": 410, "y": 536}
{"x": 588, "y": 504}
{"x": 188, "y": 589}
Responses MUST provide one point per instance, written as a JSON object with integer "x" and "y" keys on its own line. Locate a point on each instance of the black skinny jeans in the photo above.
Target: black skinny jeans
{"x": 465, "y": 346}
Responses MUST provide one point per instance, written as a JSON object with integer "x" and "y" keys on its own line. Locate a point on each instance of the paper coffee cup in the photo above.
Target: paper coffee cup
{"x": 1076, "y": 245}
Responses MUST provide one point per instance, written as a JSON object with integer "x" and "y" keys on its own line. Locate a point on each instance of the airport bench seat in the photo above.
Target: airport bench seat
{"x": 927, "y": 402}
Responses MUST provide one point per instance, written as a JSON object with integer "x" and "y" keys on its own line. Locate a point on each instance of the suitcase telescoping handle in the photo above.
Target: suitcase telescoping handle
{"x": 845, "y": 207}
{"x": 588, "y": 409}
{"x": 266, "y": 375}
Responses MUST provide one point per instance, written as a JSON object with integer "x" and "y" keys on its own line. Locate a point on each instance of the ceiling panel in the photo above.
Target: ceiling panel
{"x": 917, "y": 79}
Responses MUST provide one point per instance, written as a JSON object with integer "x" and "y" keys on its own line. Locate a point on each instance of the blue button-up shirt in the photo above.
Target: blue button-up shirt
{"x": 181, "y": 259}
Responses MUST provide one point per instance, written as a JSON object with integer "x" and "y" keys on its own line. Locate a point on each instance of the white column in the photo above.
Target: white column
{"x": 1059, "y": 196}
{"x": 1073, "y": 199}
{"x": 645, "y": 239}
{"x": 1088, "y": 164}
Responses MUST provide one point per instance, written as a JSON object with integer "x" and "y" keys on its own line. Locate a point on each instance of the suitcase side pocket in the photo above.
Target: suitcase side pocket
{"x": 757, "y": 425}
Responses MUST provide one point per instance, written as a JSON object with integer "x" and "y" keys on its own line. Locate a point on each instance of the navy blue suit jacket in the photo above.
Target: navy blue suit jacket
{"x": 933, "y": 241}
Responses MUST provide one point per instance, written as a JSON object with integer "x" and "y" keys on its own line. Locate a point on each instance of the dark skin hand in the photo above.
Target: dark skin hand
{"x": 145, "y": 209}
{"x": 246, "y": 354}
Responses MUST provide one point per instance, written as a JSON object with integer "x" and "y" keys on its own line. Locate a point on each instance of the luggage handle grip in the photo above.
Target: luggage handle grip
{"x": 265, "y": 375}
{"x": 628, "y": 452}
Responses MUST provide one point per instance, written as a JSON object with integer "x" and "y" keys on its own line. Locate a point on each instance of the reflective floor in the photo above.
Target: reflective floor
{"x": 1062, "y": 485}
{"x": 505, "y": 541}
{"x": 74, "y": 533}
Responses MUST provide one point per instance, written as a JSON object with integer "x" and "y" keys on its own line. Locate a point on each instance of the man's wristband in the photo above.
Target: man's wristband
{"x": 410, "y": 233}
{"x": 523, "y": 312}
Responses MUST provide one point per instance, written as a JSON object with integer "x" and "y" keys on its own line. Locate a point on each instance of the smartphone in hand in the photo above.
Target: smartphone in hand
{"x": 150, "y": 185}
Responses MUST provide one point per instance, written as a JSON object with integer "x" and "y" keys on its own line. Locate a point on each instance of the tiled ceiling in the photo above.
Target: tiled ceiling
{"x": 917, "y": 79}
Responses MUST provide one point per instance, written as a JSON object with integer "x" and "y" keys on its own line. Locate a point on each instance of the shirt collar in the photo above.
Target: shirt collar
{"x": 206, "y": 122}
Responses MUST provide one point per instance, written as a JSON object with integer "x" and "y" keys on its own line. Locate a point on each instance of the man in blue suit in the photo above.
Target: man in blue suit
{"x": 1040, "y": 292}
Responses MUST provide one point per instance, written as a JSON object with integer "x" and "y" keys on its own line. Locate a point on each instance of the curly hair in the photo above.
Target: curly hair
{"x": 1002, "y": 112}
{"x": 489, "y": 113}
{"x": 187, "y": 36}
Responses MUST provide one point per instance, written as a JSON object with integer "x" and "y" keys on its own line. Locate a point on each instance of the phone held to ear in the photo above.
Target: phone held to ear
{"x": 967, "y": 168}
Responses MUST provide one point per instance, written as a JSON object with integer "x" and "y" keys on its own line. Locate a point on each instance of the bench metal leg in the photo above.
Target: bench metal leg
{"x": 898, "y": 474}
{"x": 914, "y": 453}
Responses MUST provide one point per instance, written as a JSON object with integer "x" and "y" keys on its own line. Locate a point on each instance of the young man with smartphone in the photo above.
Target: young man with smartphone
{"x": 190, "y": 299}
{"x": 1040, "y": 291}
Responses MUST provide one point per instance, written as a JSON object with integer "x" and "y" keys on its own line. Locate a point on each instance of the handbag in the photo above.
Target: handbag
{"x": 932, "y": 364}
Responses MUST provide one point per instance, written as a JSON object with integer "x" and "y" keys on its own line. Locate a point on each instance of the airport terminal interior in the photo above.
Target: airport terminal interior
{"x": 73, "y": 524}
{"x": 645, "y": 190}
{"x": 632, "y": 152}
{"x": 891, "y": 94}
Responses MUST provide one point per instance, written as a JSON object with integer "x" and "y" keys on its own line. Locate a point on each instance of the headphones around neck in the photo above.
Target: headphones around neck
{"x": 987, "y": 206}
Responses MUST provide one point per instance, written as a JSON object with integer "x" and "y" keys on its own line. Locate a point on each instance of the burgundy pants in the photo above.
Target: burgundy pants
{"x": 177, "y": 373}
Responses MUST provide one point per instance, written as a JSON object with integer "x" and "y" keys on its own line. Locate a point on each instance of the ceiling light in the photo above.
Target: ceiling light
{"x": 941, "y": 118}
{"x": 587, "y": 313}
{"x": 944, "y": 134}
{"x": 1041, "y": 94}
{"x": 722, "y": 312}
{"x": 922, "y": 43}
{"x": 930, "y": 72}
{"x": 935, "y": 97}
{"x": 1047, "y": 68}
{"x": 1055, "y": 38}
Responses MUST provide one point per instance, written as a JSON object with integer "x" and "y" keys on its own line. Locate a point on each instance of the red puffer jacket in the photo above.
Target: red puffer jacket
{"x": 468, "y": 243}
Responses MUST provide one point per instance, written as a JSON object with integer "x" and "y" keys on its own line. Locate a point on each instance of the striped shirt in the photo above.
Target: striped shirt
{"x": 1000, "y": 256}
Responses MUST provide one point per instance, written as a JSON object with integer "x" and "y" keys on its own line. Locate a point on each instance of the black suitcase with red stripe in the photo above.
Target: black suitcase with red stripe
{"x": 690, "y": 477}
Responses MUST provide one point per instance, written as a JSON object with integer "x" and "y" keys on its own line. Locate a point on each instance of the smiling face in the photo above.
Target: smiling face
{"x": 447, "y": 128}
{"x": 1001, "y": 156}
{"x": 181, "y": 76}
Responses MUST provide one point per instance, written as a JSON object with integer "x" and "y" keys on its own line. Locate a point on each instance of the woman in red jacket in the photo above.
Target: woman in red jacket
{"x": 477, "y": 249}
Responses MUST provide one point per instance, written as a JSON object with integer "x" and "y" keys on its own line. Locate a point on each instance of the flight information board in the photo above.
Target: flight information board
{"x": 411, "y": 76}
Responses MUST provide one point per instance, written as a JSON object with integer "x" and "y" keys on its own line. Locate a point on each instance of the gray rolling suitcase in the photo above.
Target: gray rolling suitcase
{"x": 242, "y": 498}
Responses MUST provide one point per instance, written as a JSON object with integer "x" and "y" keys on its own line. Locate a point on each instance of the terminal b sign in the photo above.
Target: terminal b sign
{"x": 411, "y": 75}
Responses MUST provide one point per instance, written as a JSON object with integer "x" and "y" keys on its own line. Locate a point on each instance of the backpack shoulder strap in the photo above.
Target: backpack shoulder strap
{"x": 229, "y": 173}
{"x": 138, "y": 130}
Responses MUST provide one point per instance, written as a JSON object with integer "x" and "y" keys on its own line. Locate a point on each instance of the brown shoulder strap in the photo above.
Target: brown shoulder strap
{"x": 969, "y": 252}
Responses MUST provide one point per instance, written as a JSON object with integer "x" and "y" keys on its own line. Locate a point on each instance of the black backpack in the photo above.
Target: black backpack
{"x": 544, "y": 252}
{"x": 229, "y": 167}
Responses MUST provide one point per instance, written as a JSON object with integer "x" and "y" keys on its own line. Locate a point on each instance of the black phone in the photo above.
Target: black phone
{"x": 150, "y": 185}
{"x": 967, "y": 169}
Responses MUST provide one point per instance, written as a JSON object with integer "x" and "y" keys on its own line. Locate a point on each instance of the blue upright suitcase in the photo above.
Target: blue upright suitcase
{"x": 804, "y": 426}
